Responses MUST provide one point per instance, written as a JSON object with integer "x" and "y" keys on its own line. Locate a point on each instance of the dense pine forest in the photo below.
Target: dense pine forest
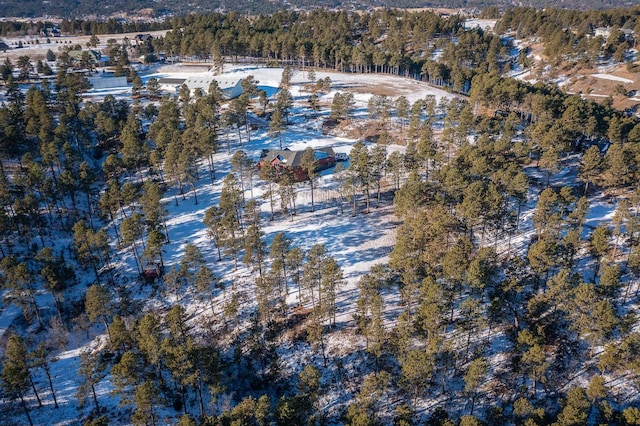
{"x": 509, "y": 296}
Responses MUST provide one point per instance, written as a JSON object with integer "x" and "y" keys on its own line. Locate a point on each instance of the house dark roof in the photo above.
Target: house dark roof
{"x": 294, "y": 158}
{"x": 290, "y": 158}
{"x": 76, "y": 54}
{"x": 172, "y": 81}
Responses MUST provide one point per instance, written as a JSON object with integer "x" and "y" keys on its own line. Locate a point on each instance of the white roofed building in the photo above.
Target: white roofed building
{"x": 107, "y": 83}
{"x": 230, "y": 87}
{"x": 484, "y": 24}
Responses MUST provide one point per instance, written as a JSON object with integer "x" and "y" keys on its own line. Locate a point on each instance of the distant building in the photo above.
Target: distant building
{"x": 628, "y": 34}
{"x": 143, "y": 38}
{"x": 106, "y": 83}
{"x": 487, "y": 25}
{"x": 94, "y": 56}
{"x": 171, "y": 85}
{"x": 230, "y": 87}
{"x": 605, "y": 32}
{"x": 50, "y": 32}
{"x": 286, "y": 159}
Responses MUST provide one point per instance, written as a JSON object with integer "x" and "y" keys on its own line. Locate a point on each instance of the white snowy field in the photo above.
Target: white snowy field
{"x": 357, "y": 243}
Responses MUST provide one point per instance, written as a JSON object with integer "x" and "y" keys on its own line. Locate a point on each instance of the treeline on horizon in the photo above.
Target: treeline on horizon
{"x": 420, "y": 44}
{"x": 83, "y": 8}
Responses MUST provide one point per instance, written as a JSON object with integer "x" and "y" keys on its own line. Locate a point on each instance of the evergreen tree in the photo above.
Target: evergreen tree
{"x": 213, "y": 220}
{"x": 308, "y": 166}
{"x": 125, "y": 376}
{"x": 98, "y": 305}
{"x": 280, "y": 246}
{"x": 473, "y": 378}
{"x": 15, "y": 373}
{"x": 417, "y": 370}
{"x": 92, "y": 371}
{"x": 145, "y": 399}
{"x": 39, "y": 359}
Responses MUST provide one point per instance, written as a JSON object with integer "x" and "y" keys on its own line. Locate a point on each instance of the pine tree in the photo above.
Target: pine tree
{"x": 378, "y": 167}
{"x": 131, "y": 230}
{"x": 98, "y": 305}
{"x": 38, "y": 359}
{"x": 149, "y": 338}
{"x": 213, "y": 221}
{"x": 280, "y": 246}
{"x": 56, "y": 274}
{"x": 590, "y": 167}
{"x": 575, "y": 408}
{"x": 18, "y": 279}
{"x": 125, "y": 376}
{"x": 91, "y": 247}
{"x": 151, "y": 205}
{"x": 294, "y": 263}
{"x": 284, "y": 102}
{"x": 315, "y": 332}
{"x": 312, "y": 273}
{"x": 255, "y": 249}
{"x": 92, "y": 371}
{"x": 534, "y": 361}
{"x": 15, "y": 373}
{"x": 332, "y": 280}
{"x": 593, "y": 318}
{"x": 145, "y": 399}
{"x": 395, "y": 165}
{"x": 276, "y": 125}
{"x": 361, "y": 167}
{"x": 309, "y": 384}
{"x": 473, "y": 379}
{"x": 308, "y": 166}
{"x": 121, "y": 339}
{"x": 230, "y": 205}
{"x": 242, "y": 167}
{"x": 599, "y": 244}
{"x": 417, "y": 370}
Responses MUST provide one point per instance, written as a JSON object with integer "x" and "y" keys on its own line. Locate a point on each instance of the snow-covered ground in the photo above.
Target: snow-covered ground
{"x": 357, "y": 243}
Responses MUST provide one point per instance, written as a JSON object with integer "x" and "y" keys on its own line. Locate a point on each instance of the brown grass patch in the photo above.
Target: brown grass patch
{"x": 376, "y": 90}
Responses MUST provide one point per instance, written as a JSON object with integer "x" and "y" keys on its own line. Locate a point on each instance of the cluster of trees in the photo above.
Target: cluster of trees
{"x": 469, "y": 292}
{"x": 398, "y": 42}
{"x": 388, "y": 41}
{"x": 118, "y": 54}
{"x": 578, "y": 44}
{"x": 54, "y": 190}
{"x": 9, "y": 28}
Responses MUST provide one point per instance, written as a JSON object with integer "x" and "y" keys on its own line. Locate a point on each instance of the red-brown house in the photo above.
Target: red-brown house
{"x": 280, "y": 159}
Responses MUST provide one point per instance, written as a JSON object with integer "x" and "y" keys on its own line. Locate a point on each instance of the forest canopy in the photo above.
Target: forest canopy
{"x": 144, "y": 247}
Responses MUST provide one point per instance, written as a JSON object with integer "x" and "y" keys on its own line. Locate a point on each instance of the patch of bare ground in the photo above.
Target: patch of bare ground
{"x": 370, "y": 131}
{"x": 375, "y": 90}
{"x": 295, "y": 324}
{"x": 622, "y": 93}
